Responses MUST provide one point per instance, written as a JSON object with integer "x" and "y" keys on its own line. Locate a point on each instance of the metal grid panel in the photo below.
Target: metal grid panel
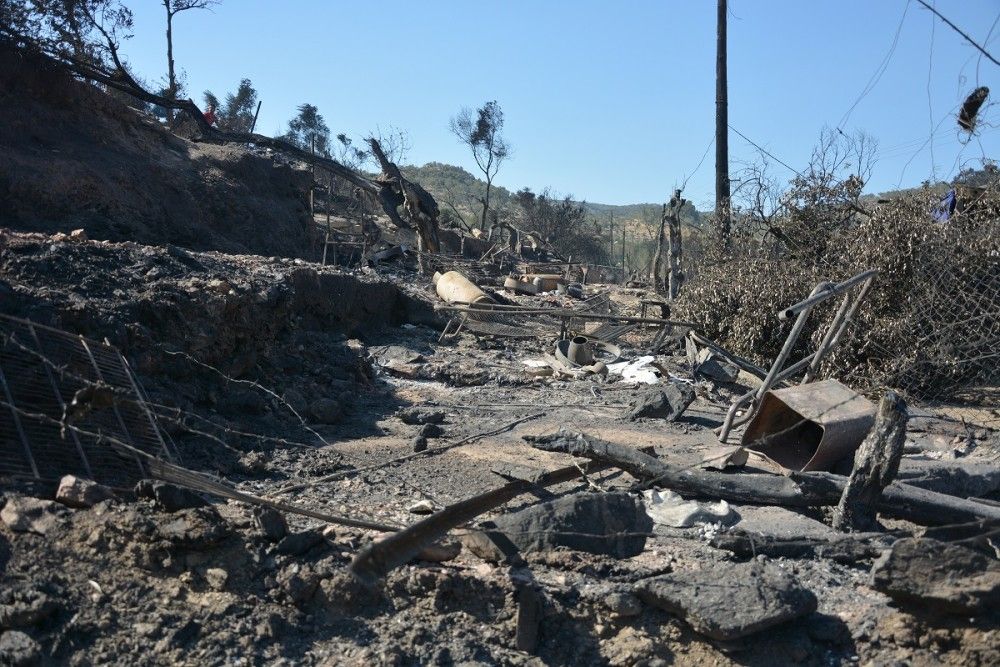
{"x": 41, "y": 371}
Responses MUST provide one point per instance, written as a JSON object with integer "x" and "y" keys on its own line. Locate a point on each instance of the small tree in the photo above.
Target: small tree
{"x": 236, "y": 114}
{"x": 480, "y": 130}
{"x": 174, "y": 7}
{"x": 308, "y": 130}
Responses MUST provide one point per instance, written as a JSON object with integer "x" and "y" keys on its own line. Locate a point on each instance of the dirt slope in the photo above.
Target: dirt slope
{"x": 71, "y": 157}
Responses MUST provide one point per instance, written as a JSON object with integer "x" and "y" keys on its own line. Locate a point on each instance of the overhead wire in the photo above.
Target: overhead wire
{"x": 959, "y": 31}
{"x": 765, "y": 151}
{"x": 700, "y": 162}
{"x": 879, "y": 71}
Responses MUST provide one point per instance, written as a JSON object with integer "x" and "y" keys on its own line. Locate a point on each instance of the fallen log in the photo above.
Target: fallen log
{"x": 899, "y": 501}
{"x": 842, "y": 549}
{"x": 875, "y": 465}
{"x": 379, "y": 558}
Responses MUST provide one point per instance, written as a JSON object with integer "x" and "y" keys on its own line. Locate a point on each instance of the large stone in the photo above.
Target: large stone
{"x": 326, "y": 410}
{"x": 31, "y": 515}
{"x": 168, "y": 496}
{"x": 714, "y": 367}
{"x": 78, "y": 492}
{"x": 940, "y": 576}
{"x": 612, "y": 524}
{"x": 197, "y": 528}
{"x": 22, "y": 606}
{"x": 270, "y": 522}
{"x": 19, "y": 650}
{"x": 726, "y": 601}
{"x": 666, "y": 402}
{"x": 420, "y": 416}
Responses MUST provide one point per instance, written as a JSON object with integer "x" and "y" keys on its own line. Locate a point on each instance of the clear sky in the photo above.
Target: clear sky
{"x": 612, "y": 102}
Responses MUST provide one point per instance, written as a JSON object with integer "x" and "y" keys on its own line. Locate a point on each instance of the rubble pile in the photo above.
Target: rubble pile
{"x": 377, "y": 467}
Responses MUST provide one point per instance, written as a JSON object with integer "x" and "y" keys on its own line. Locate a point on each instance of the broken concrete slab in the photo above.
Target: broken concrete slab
{"x": 726, "y": 601}
{"x": 782, "y": 523}
{"x": 78, "y": 492}
{"x": 31, "y": 515}
{"x": 940, "y": 576}
{"x": 612, "y": 524}
{"x": 665, "y": 402}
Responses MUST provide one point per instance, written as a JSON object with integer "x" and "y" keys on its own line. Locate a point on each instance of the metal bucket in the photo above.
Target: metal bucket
{"x": 811, "y": 426}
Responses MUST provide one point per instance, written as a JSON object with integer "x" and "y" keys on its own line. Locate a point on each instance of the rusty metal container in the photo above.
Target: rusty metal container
{"x": 810, "y": 426}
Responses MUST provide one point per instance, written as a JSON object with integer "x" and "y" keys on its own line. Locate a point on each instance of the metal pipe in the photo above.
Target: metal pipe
{"x": 829, "y": 291}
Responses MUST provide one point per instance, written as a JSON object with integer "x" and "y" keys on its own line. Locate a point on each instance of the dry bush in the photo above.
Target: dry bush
{"x": 931, "y": 323}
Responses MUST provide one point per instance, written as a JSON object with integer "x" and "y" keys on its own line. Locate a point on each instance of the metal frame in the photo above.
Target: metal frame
{"x": 750, "y": 402}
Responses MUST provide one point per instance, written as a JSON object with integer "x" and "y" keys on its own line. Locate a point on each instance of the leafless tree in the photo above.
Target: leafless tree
{"x": 174, "y": 7}
{"x": 481, "y": 130}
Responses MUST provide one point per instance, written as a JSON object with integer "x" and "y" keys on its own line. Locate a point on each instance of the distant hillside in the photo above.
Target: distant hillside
{"x": 461, "y": 189}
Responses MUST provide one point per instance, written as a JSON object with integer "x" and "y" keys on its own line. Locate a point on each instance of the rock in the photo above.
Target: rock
{"x": 78, "y": 235}
{"x": 941, "y": 576}
{"x": 612, "y": 524}
{"x": 270, "y": 522}
{"x": 419, "y": 443}
{"x": 439, "y": 552}
{"x": 783, "y": 523}
{"x": 23, "y": 515}
{"x": 670, "y": 509}
{"x": 623, "y": 604}
{"x": 216, "y": 578}
{"x": 714, "y": 367}
{"x": 431, "y": 430}
{"x": 19, "y": 650}
{"x": 726, "y": 601}
{"x": 297, "y": 544}
{"x": 175, "y": 498}
{"x": 421, "y": 416}
{"x": 296, "y": 401}
{"x": 196, "y": 528}
{"x": 299, "y": 584}
{"x": 75, "y": 491}
{"x": 326, "y": 410}
{"x": 667, "y": 402}
{"x": 22, "y": 606}
{"x": 421, "y": 507}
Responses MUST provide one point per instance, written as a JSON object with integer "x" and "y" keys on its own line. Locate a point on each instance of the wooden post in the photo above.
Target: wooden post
{"x": 875, "y": 464}
{"x": 674, "y": 229}
{"x": 722, "y": 193}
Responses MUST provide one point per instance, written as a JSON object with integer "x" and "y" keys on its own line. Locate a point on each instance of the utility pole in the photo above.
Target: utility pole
{"x": 722, "y": 193}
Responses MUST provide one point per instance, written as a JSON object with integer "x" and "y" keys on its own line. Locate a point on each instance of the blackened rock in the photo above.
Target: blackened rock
{"x": 175, "y": 498}
{"x": 431, "y": 431}
{"x": 75, "y": 491}
{"x": 22, "y": 606}
{"x": 419, "y": 443}
{"x": 421, "y": 416}
{"x": 297, "y": 544}
{"x": 23, "y": 515}
{"x": 197, "y": 528}
{"x": 941, "y": 576}
{"x": 726, "y": 601}
{"x": 667, "y": 402}
{"x": 270, "y": 522}
{"x": 326, "y": 410}
{"x": 19, "y": 650}
{"x": 613, "y": 524}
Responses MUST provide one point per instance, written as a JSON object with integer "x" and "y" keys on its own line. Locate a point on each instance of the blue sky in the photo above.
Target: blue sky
{"x": 612, "y": 102}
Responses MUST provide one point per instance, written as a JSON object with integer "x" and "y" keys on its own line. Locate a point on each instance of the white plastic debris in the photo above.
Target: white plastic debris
{"x": 638, "y": 371}
{"x": 670, "y": 509}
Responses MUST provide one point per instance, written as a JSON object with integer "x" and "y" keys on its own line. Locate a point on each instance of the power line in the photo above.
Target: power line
{"x": 703, "y": 155}
{"x": 987, "y": 43}
{"x": 960, "y": 32}
{"x": 765, "y": 152}
{"x": 879, "y": 71}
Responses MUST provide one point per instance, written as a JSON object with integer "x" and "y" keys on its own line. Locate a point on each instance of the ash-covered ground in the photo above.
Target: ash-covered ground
{"x": 307, "y": 384}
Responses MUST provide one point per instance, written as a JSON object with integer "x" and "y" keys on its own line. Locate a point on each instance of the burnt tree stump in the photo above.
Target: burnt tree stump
{"x": 875, "y": 465}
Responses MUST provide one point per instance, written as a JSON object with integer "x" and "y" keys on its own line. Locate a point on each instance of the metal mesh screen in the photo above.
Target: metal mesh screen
{"x": 42, "y": 371}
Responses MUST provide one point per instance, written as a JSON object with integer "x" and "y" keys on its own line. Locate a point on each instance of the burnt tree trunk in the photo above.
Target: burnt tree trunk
{"x": 674, "y": 230}
{"x": 875, "y": 464}
{"x": 658, "y": 280}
